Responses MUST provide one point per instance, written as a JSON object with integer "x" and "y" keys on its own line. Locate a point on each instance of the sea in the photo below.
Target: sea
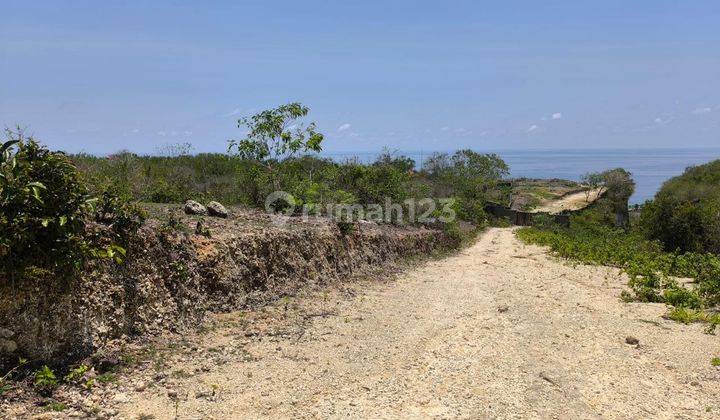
{"x": 650, "y": 167}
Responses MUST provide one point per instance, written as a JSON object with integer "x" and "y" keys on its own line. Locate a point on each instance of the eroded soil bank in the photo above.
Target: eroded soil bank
{"x": 173, "y": 276}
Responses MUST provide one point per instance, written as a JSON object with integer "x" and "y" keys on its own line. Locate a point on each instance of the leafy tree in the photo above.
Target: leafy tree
{"x": 594, "y": 181}
{"x": 469, "y": 176}
{"x": 276, "y": 134}
{"x": 620, "y": 187}
{"x": 390, "y": 158}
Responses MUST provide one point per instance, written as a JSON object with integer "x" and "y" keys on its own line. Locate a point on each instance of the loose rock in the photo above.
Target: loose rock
{"x": 631, "y": 340}
{"x": 216, "y": 209}
{"x": 193, "y": 207}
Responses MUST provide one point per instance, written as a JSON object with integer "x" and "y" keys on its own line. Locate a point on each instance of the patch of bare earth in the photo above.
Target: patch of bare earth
{"x": 498, "y": 330}
{"x": 571, "y": 202}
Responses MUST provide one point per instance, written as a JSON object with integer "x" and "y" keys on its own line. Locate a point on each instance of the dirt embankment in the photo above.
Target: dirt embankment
{"x": 172, "y": 277}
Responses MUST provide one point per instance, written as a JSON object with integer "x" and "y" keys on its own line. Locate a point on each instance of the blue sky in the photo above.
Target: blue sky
{"x": 103, "y": 76}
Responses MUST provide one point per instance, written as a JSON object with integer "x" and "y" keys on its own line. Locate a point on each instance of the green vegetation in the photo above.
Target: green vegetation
{"x": 56, "y": 406}
{"x": 618, "y": 186}
{"x": 715, "y": 361}
{"x": 311, "y": 180}
{"x": 688, "y": 316}
{"x": 593, "y": 239}
{"x": 107, "y": 377}
{"x": 46, "y": 214}
{"x": 76, "y": 374}
{"x": 270, "y": 158}
{"x": 685, "y": 214}
{"x": 45, "y": 380}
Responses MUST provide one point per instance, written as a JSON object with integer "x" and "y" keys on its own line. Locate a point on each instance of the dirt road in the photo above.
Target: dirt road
{"x": 498, "y": 330}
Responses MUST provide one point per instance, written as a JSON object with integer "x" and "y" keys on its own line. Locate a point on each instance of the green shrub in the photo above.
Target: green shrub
{"x": 684, "y": 214}
{"x": 43, "y": 208}
{"x": 454, "y": 234}
{"x": 46, "y": 213}
{"x": 682, "y": 297}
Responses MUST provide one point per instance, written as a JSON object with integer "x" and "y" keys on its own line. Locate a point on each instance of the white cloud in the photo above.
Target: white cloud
{"x": 236, "y": 111}
{"x": 136, "y": 130}
{"x": 446, "y": 128}
{"x": 532, "y": 128}
{"x": 343, "y": 127}
{"x": 702, "y": 110}
{"x": 161, "y": 133}
{"x": 557, "y": 115}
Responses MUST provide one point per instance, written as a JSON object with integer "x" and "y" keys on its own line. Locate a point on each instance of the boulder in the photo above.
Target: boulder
{"x": 216, "y": 209}
{"x": 193, "y": 207}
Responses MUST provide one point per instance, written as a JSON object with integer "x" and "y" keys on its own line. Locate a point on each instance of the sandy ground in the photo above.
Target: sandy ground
{"x": 498, "y": 330}
{"x": 574, "y": 201}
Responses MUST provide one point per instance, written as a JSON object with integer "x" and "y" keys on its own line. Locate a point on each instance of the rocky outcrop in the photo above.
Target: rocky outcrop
{"x": 172, "y": 277}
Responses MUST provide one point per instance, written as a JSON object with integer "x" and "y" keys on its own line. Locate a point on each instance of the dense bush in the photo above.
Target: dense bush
{"x": 45, "y": 209}
{"x": 685, "y": 214}
{"x": 472, "y": 178}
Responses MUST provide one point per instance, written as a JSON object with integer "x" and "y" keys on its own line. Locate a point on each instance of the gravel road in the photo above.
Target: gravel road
{"x": 500, "y": 329}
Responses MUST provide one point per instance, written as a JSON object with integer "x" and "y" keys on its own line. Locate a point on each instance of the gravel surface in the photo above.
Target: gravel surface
{"x": 500, "y": 329}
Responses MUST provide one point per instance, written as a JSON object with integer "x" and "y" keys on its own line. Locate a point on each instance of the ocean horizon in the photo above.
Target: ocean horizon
{"x": 650, "y": 167}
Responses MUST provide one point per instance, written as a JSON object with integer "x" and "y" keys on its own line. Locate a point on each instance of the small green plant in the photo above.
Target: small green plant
{"x": 45, "y": 380}
{"x": 4, "y": 380}
{"x": 180, "y": 374}
{"x": 56, "y": 406}
{"x": 715, "y": 361}
{"x": 346, "y": 228}
{"x": 453, "y": 233}
{"x": 128, "y": 359}
{"x": 173, "y": 224}
{"x": 201, "y": 229}
{"x": 76, "y": 374}
{"x": 107, "y": 377}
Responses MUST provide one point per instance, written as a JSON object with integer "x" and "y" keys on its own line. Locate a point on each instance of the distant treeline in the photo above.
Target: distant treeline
{"x": 468, "y": 177}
